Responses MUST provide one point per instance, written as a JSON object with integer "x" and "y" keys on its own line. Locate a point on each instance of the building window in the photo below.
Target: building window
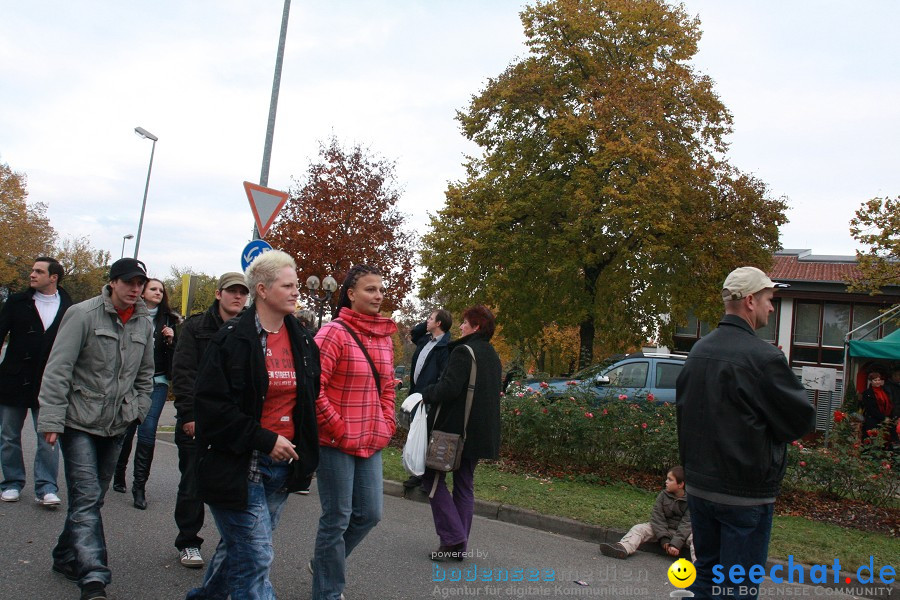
{"x": 687, "y": 335}
{"x": 820, "y": 329}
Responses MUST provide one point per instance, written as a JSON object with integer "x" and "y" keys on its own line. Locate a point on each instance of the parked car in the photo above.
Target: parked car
{"x": 636, "y": 375}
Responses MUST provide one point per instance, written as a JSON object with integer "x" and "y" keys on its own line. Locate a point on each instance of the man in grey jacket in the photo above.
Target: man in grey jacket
{"x": 97, "y": 381}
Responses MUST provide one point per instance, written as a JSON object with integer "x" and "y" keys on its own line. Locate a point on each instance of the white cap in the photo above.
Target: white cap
{"x": 744, "y": 281}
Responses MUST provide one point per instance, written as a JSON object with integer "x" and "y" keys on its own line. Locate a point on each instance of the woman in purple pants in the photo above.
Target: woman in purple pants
{"x": 446, "y": 401}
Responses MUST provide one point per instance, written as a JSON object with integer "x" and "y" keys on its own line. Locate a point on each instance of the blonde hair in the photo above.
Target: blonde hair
{"x": 265, "y": 269}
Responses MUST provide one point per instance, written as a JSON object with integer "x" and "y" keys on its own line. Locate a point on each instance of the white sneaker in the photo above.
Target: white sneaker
{"x": 10, "y": 495}
{"x": 190, "y": 557}
{"x": 49, "y": 500}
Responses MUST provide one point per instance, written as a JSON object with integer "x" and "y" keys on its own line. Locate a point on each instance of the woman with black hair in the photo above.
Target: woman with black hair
{"x": 355, "y": 414}
{"x": 164, "y": 321}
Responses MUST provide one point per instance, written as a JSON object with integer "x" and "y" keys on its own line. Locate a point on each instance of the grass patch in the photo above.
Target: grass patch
{"x": 620, "y": 506}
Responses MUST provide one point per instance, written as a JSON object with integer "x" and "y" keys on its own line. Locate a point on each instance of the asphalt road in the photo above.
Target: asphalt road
{"x": 392, "y": 563}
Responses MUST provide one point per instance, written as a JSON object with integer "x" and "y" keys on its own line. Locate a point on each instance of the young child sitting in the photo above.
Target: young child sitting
{"x": 670, "y": 523}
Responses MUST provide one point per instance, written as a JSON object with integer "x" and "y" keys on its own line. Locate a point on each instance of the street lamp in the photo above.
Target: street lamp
{"x": 329, "y": 286}
{"x": 130, "y": 236}
{"x": 147, "y": 136}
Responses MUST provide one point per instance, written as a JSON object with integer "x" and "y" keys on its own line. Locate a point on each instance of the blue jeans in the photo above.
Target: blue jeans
{"x": 728, "y": 535}
{"x": 240, "y": 566}
{"x": 146, "y": 431}
{"x": 89, "y": 461}
{"x": 46, "y": 458}
{"x": 351, "y": 492}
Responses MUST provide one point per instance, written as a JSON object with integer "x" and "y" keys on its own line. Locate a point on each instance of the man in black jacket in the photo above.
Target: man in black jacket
{"x": 738, "y": 404}
{"x": 429, "y": 360}
{"x": 31, "y": 319}
{"x": 231, "y": 297}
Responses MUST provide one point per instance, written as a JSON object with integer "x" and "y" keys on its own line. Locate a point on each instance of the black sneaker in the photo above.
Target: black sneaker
{"x": 66, "y": 570}
{"x": 414, "y": 481}
{"x": 93, "y": 590}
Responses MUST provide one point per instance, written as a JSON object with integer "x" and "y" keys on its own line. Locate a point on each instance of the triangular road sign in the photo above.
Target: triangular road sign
{"x": 265, "y": 204}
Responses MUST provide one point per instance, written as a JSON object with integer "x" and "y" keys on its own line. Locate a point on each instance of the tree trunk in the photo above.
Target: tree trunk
{"x": 586, "y": 347}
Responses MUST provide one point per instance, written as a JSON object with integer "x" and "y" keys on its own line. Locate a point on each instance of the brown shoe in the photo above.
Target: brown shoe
{"x": 616, "y": 550}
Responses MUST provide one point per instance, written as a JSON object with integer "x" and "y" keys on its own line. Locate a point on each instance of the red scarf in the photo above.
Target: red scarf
{"x": 883, "y": 401}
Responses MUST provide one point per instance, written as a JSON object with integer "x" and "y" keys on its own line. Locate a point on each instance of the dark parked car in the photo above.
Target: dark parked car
{"x": 636, "y": 375}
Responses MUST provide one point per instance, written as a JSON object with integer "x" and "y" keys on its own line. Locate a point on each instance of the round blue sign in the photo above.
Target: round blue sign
{"x": 252, "y": 252}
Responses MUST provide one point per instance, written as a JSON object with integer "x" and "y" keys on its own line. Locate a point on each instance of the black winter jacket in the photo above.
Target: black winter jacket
{"x": 29, "y": 347}
{"x": 435, "y": 362}
{"x": 483, "y": 431}
{"x": 738, "y": 403}
{"x": 163, "y": 352}
{"x": 192, "y": 342}
{"x": 229, "y": 393}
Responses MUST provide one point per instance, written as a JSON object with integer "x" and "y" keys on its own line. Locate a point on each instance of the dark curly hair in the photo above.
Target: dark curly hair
{"x": 356, "y": 271}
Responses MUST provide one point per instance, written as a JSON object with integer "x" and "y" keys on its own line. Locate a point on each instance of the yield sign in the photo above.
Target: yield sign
{"x": 265, "y": 204}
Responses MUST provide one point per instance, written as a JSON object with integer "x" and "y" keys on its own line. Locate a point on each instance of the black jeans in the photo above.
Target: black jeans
{"x": 189, "y": 510}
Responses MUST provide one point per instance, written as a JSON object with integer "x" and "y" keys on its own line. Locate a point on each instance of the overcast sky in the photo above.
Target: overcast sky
{"x": 813, "y": 87}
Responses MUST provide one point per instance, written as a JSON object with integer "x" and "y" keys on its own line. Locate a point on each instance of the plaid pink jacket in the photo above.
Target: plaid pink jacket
{"x": 352, "y": 415}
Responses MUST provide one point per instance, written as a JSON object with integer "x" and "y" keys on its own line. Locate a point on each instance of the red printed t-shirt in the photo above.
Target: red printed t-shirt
{"x": 278, "y": 409}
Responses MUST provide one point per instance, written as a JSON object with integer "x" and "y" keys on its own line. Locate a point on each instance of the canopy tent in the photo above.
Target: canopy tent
{"x": 887, "y": 347}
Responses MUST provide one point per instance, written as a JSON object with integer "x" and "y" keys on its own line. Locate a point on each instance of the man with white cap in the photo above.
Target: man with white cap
{"x": 738, "y": 404}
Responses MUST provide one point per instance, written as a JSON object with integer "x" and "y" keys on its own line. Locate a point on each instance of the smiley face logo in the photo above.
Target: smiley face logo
{"x": 682, "y": 573}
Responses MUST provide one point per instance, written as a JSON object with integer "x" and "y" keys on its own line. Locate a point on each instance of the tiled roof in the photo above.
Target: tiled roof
{"x": 789, "y": 267}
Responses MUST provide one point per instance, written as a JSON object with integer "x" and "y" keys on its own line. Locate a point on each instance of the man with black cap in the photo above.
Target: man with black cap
{"x": 738, "y": 404}
{"x": 97, "y": 382}
{"x": 231, "y": 298}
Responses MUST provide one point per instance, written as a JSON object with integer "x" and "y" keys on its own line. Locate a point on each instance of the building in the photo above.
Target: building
{"x": 813, "y": 317}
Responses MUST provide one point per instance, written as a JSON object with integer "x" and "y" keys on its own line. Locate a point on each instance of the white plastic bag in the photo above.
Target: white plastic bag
{"x": 416, "y": 443}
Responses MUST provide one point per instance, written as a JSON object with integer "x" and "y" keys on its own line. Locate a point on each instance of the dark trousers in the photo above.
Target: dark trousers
{"x": 89, "y": 461}
{"x": 728, "y": 535}
{"x": 452, "y": 513}
{"x": 189, "y": 511}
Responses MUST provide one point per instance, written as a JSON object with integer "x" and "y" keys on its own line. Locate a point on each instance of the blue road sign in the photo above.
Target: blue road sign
{"x": 252, "y": 252}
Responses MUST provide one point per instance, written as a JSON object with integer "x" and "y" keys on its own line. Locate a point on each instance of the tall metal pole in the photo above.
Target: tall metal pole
{"x": 273, "y": 104}
{"x": 137, "y": 242}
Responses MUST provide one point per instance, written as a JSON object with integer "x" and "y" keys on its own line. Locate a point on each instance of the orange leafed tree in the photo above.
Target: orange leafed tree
{"x": 344, "y": 212}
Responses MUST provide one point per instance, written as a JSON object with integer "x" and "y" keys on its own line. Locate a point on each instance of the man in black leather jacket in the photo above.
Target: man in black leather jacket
{"x": 738, "y": 404}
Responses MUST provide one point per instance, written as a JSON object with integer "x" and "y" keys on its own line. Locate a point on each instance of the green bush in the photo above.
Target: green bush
{"x": 854, "y": 464}
{"x": 576, "y": 433}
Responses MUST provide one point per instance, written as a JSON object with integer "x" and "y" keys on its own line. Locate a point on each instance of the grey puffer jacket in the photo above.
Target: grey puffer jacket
{"x": 99, "y": 375}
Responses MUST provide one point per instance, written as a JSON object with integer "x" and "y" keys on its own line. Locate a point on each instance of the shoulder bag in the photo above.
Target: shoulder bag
{"x": 445, "y": 449}
{"x": 365, "y": 353}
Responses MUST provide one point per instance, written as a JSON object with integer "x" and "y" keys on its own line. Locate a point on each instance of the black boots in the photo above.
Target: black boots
{"x": 143, "y": 458}
{"x": 122, "y": 463}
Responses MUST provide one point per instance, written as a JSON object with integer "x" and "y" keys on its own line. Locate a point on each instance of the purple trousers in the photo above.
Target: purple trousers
{"x": 453, "y": 512}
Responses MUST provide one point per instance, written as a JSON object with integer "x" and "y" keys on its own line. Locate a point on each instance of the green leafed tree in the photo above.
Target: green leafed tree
{"x": 204, "y": 294}
{"x": 344, "y": 212}
{"x": 603, "y": 197}
{"x": 25, "y": 231}
{"x": 877, "y": 226}
{"x": 87, "y": 269}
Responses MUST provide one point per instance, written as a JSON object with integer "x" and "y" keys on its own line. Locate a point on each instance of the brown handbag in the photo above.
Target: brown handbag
{"x": 445, "y": 449}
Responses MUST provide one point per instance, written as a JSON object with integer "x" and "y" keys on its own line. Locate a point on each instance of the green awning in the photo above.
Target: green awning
{"x": 887, "y": 347}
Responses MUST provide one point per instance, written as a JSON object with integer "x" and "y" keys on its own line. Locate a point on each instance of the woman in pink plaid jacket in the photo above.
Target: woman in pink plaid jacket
{"x": 355, "y": 414}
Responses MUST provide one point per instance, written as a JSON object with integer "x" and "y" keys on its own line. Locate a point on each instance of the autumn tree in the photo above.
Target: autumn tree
{"x": 603, "y": 198}
{"x": 877, "y": 225}
{"x": 26, "y": 231}
{"x": 87, "y": 268}
{"x": 344, "y": 212}
{"x": 204, "y": 294}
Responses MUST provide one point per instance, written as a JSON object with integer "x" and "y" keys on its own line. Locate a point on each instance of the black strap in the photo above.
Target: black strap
{"x": 365, "y": 353}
